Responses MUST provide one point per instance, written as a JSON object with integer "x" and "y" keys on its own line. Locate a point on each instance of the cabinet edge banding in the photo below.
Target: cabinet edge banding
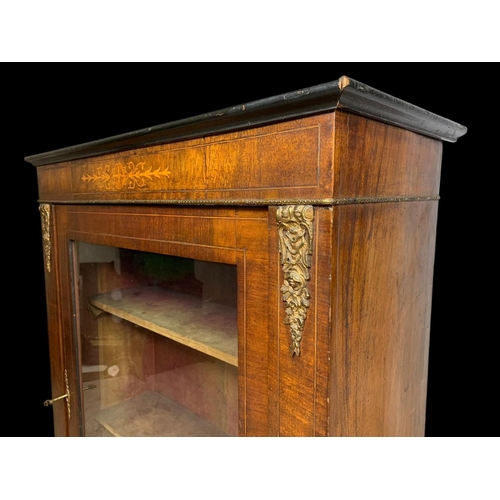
{"x": 250, "y": 202}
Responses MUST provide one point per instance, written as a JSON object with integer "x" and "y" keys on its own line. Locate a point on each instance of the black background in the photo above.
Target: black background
{"x": 51, "y": 106}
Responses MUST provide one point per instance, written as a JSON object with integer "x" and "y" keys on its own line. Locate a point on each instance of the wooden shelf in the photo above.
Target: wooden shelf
{"x": 152, "y": 414}
{"x": 205, "y": 326}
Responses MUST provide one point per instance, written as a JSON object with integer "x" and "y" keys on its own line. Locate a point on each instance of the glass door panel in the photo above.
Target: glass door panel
{"x": 158, "y": 344}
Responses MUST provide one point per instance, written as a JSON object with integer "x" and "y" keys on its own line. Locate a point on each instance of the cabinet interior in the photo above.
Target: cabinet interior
{"x": 158, "y": 341}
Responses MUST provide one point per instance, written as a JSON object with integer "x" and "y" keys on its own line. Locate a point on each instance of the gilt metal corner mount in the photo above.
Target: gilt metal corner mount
{"x": 295, "y": 238}
{"x": 45, "y": 212}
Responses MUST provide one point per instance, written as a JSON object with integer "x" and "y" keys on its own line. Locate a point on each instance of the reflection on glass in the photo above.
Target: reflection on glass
{"x": 158, "y": 342}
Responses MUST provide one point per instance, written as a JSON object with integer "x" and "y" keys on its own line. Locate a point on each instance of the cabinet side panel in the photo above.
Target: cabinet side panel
{"x": 373, "y": 159}
{"x": 381, "y": 289}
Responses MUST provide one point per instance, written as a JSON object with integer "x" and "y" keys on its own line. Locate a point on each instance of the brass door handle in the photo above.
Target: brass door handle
{"x": 49, "y": 402}
{"x": 52, "y": 401}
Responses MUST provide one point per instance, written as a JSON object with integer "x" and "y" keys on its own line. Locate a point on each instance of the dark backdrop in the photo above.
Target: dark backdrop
{"x": 57, "y": 105}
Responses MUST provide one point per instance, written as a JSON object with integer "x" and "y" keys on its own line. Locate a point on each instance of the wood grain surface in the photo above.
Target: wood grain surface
{"x": 381, "y": 303}
{"x": 207, "y": 327}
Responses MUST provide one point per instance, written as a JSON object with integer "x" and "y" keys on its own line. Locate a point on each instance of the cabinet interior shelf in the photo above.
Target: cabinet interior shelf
{"x": 151, "y": 414}
{"x": 206, "y": 326}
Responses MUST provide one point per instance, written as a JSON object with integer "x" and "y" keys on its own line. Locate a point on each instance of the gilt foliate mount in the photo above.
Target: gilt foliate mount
{"x": 45, "y": 213}
{"x": 295, "y": 239}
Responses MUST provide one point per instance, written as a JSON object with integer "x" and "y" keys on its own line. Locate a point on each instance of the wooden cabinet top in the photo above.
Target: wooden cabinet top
{"x": 343, "y": 94}
{"x": 317, "y": 146}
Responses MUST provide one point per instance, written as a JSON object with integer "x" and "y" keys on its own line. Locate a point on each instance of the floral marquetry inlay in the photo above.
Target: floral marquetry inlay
{"x": 128, "y": 175}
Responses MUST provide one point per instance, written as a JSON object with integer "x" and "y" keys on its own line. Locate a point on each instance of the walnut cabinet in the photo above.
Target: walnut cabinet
{"x": 263, "y": 270}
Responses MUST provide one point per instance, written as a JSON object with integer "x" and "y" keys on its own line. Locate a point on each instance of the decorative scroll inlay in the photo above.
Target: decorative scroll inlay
{"x": 125, "y": 176}
{"x": 47, "y": 243}
{"x": 295, "y": 233}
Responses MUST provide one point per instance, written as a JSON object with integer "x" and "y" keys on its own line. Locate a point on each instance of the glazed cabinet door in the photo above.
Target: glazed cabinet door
{"x": 160, "y": 326}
